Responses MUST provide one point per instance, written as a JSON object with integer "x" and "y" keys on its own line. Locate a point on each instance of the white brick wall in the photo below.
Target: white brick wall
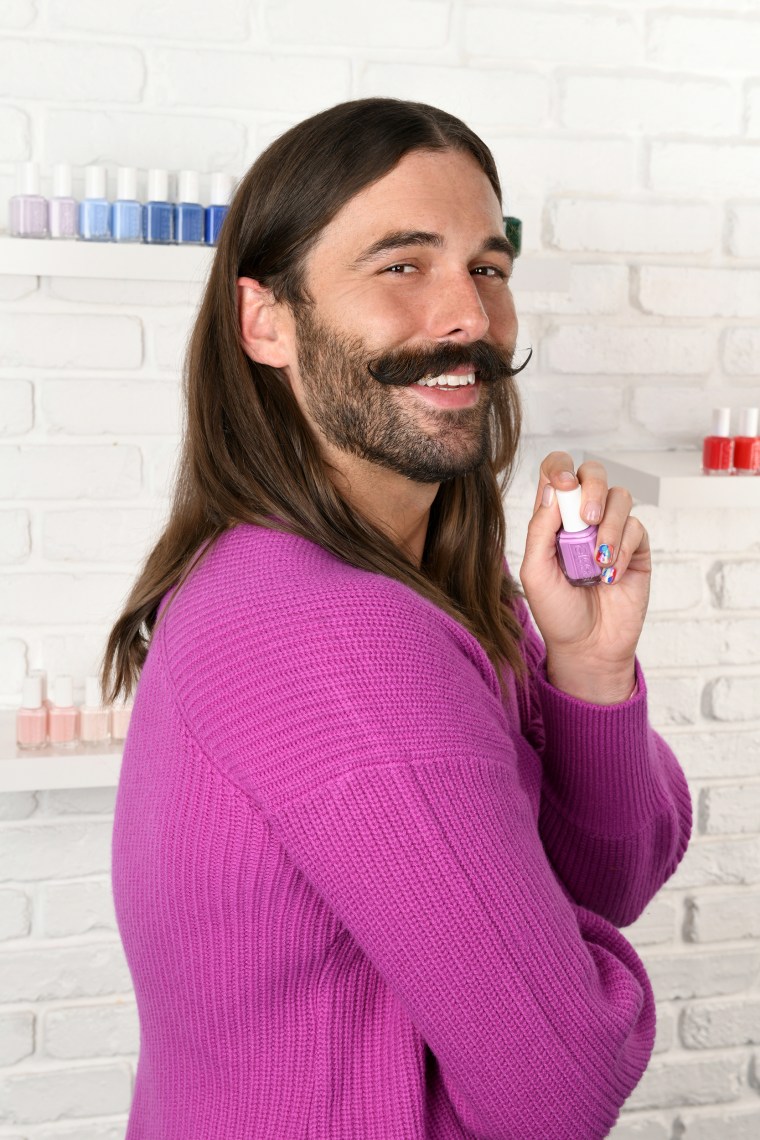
{"x": 628, "y": 138}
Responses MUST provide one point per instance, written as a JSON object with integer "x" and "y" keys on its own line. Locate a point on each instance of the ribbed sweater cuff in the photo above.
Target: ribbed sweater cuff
{"x": 601, "y": 761}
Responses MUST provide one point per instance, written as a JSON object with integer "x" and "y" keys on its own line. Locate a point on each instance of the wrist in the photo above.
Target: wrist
{"x": 596, "y": 688}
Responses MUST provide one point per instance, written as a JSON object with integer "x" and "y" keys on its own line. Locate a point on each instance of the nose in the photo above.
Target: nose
{"x": 455, "y": 309}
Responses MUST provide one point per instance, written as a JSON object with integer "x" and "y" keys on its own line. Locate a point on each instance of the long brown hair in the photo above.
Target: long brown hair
{"x": 248, "y": 455}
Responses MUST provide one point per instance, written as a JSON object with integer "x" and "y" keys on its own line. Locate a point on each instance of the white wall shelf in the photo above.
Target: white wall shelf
{"x": 26, "y": 770}
{"x": 675, "y": 479}
{"x": 39, "y": 257}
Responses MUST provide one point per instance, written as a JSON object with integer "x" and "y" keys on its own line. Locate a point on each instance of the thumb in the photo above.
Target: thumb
{"x": 540, "y": 541}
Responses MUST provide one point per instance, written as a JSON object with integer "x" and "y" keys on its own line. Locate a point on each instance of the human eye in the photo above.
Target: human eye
{"x": 492, "y": 271}
{"x": 400, "y": 268}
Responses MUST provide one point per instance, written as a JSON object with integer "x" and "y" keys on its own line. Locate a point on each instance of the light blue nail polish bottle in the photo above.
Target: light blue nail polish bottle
{"x": 127, "y": 211}
{"x": 188, "y": 213}
{"x": 95, "y": 209}
{"x": 158, "y": 212}
{"x": 221, "y": 192}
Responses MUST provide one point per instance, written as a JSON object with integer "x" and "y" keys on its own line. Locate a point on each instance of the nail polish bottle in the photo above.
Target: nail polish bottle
{"x": 28, "y": 209}
{"x": 188, "y": 213}
{"x": 576, "y": 541}
{"x": 31, "y": 718}
{"x": 127, "y": 211}
{"x": 718, "y": 447}
{"x": 63, "y": 717}
{"x": 120, "y": 715}
{"x": 158, "y": 212}
{"x": 63, "y": 208}
{"x": 95, "y": 209}
{"x": 216, "y": 211}
{"x": 747, "y": 444}
{"x": 94, "y": 719}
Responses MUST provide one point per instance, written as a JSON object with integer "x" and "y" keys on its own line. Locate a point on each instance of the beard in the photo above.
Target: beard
{"x": 357, "y": 401}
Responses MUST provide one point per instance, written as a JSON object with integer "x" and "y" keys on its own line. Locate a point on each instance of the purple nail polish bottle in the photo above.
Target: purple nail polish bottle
{"x": 576, "y": 541}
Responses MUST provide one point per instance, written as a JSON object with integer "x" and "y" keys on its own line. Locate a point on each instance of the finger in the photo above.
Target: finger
{"x": 555, "y": 464}
{"x": 541, "y": 537}
{"x": 633, "y": 552}
{"x": 610, "y": 532}
{"x": 593, "y": 479}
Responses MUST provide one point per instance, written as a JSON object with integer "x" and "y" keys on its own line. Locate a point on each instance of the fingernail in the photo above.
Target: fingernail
{"x": 604, "y": 554}
{"x": 609, "y": 575}
{"x": 592, "y": 512}
{"x": 548, "y": 496}
{"x": 565, "y": 475}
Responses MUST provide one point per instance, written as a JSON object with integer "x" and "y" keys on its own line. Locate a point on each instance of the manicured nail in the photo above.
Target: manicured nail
{"x": 592, "y": 512}
{"x": 604, "y": 554}
{"x": 565, "y": 475}
{"x": 548, "y": 496}
{"x": 609, "y": 575}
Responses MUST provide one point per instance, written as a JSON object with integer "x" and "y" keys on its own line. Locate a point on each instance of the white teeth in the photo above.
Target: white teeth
{"x": 448, "y": 381}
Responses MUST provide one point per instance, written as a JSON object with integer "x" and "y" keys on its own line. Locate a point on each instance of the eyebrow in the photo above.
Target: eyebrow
{"x": 399, "y": 239}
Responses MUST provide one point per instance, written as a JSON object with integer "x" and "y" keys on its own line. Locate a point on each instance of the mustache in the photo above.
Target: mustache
{"x": 406, "y": 366}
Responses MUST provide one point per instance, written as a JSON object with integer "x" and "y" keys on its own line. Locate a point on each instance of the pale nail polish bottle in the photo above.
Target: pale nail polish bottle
{"x": 64, "y": 209}
{"x": 31, "y": 718}
{"x": 63, "y": 715}
{"x": 126, "y": 213}
{"x": 576, "y": 541}
{"x": 95, "y": 209}
{"x": 28, "y": 209}
{"x": 120, "y": 715}
{"x": 94, "y": 719}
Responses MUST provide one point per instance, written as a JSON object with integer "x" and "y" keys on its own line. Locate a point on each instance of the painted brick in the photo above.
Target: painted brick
{"x": 743, "y": 237}
{"x": 170, "y": 341}
{"x": 135, "y": 294}
{"x": 705, "y": 755}
{"x": 730, "y": 810}
{"x": 62, "y": 599}
{"x": 694, "y": 292}
{"x": 77, "y": 801}
{"x": 76, "y": 653}
{"x": 62, "y": 471}
{"x": 17, "y": 805}
{"x": 119, "y": 407}
{"x": 18, "y": 407}
{"x": 17, "y": 13}
{"x": 753, "y": 110}
{"x": 673, "y": 700}
{"x": 739, "y": 1124}
{"x": 91, "y": 1031}
{"x": 488, "y": 96}
{"x": 15, "y": 541}
{"x": 344, "y": 23}
{"x": 172, "y": 142}
{"x": 703, "y": 43}
{"x": 668, "y": 1083}
{"x": 718, "y": 169}
{"x": 230, "y": 22}
{"x": 15, "y": 915}
{"x": 15, "y": 133}
{"x": 13, "y": 664}
{"x": 59, "y": 972}
{"x": 719, "y": 1024}
{"x": 112, "y": 1129}
{"x": 656, "y": 925}
{"x": 16, "y": 1036}
{"x": 54, "y": 850}
{"x": 99, "y": 535}
{"x": 285, "y": 84}
{"x": 161, "y": 461}
{"x": 720, "y": 916}
{"x": 538, "y": 165}
{"x": 520, "y": 33}
{"x": 717, "y": 862}
{"x": 35, "y": 1096}
{"x": 43, "y": 69}
{"x": 553, "y": 411}
{"x": 674, "y": 413}
{"x": 628, "y": 350}
{"x": 632, "y": 1128}
{"x": 52, "y": 340}
{"x": 698, "y": 531}
{"x": 675, "y": 586}
{"x": 708, "y": 642}
{"x": 15, "y": 286}
{"x": 741, "y": 352}
{"x": 592, "y": 289}
{"x": 733, "y": 698}
{"x": 649, "y": 105}
{"x": 632, "y": 227}
{"x": 76, "y": 908}
{"x": 734, "y": 585}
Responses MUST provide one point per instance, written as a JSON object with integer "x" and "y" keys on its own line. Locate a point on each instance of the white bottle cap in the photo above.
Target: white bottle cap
{"x": 158, "y": 185}
{"x": 92, "y": 692}
{"x": 62, "y": 180}
{"x": 28, "y": 178}
{"x": 721, "y": 421}
{"x": 221, "y": 188}
{"x": 748, "y": 422}
{"x": 95, "y": 182}
{"x": 42, "y": 674}
{"x": 32, "y": 694}
{"x": 126, "y": 184}
{"x": 569, "y": 503}
{"x": 189, "y": 187}
{"x": 63, "y": 691}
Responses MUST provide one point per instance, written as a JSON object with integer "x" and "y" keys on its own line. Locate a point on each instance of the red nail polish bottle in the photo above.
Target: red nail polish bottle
{"x": 718, "y": 447}
{"x": 747, "y": 444}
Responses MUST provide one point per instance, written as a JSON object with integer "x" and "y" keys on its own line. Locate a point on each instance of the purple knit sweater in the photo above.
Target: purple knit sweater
{"x": 361, "y": 896}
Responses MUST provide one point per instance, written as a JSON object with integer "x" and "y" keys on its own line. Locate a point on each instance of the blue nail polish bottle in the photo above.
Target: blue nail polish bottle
{"x": 221, "y": 192}
{"x": 188, "y": 213}
{"x": 95, "y": 209}
{"x": 127, "y": 211}
{"x": 158, "y": 212}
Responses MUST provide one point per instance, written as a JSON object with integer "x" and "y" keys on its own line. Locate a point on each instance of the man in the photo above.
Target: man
{"x": 373, "y": 835}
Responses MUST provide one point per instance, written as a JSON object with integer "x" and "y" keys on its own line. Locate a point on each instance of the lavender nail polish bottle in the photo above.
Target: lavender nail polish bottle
{"x": 63, "y": 207}
{"x": 576, "y": 541}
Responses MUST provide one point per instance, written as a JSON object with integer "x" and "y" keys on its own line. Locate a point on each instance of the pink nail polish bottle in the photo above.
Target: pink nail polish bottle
{"x": 120, "y": 715}
{"x": 31, "y": 718}
{"x": 576, "y": 541}
{"x": 63, "y": 717}
{"x": 93, "y": 717}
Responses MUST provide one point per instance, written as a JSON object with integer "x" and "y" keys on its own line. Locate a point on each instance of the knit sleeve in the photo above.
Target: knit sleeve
{"x": 615, "y": 808}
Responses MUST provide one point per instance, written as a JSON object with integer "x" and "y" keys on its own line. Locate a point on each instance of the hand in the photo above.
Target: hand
{"x": 590, "y": 632}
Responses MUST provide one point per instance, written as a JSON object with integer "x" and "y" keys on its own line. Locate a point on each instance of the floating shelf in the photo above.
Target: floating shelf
{"x": 39, "y": 257}
{"x": 23, "y": 770}
{"x": 675, "y": 479}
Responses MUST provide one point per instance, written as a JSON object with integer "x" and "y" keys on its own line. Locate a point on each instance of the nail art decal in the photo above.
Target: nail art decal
{"x": 609, "y": 575}
{"x": 604, "y": 554}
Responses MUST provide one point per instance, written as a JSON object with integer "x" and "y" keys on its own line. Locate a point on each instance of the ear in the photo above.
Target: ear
{"x": 263, "y": 328}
